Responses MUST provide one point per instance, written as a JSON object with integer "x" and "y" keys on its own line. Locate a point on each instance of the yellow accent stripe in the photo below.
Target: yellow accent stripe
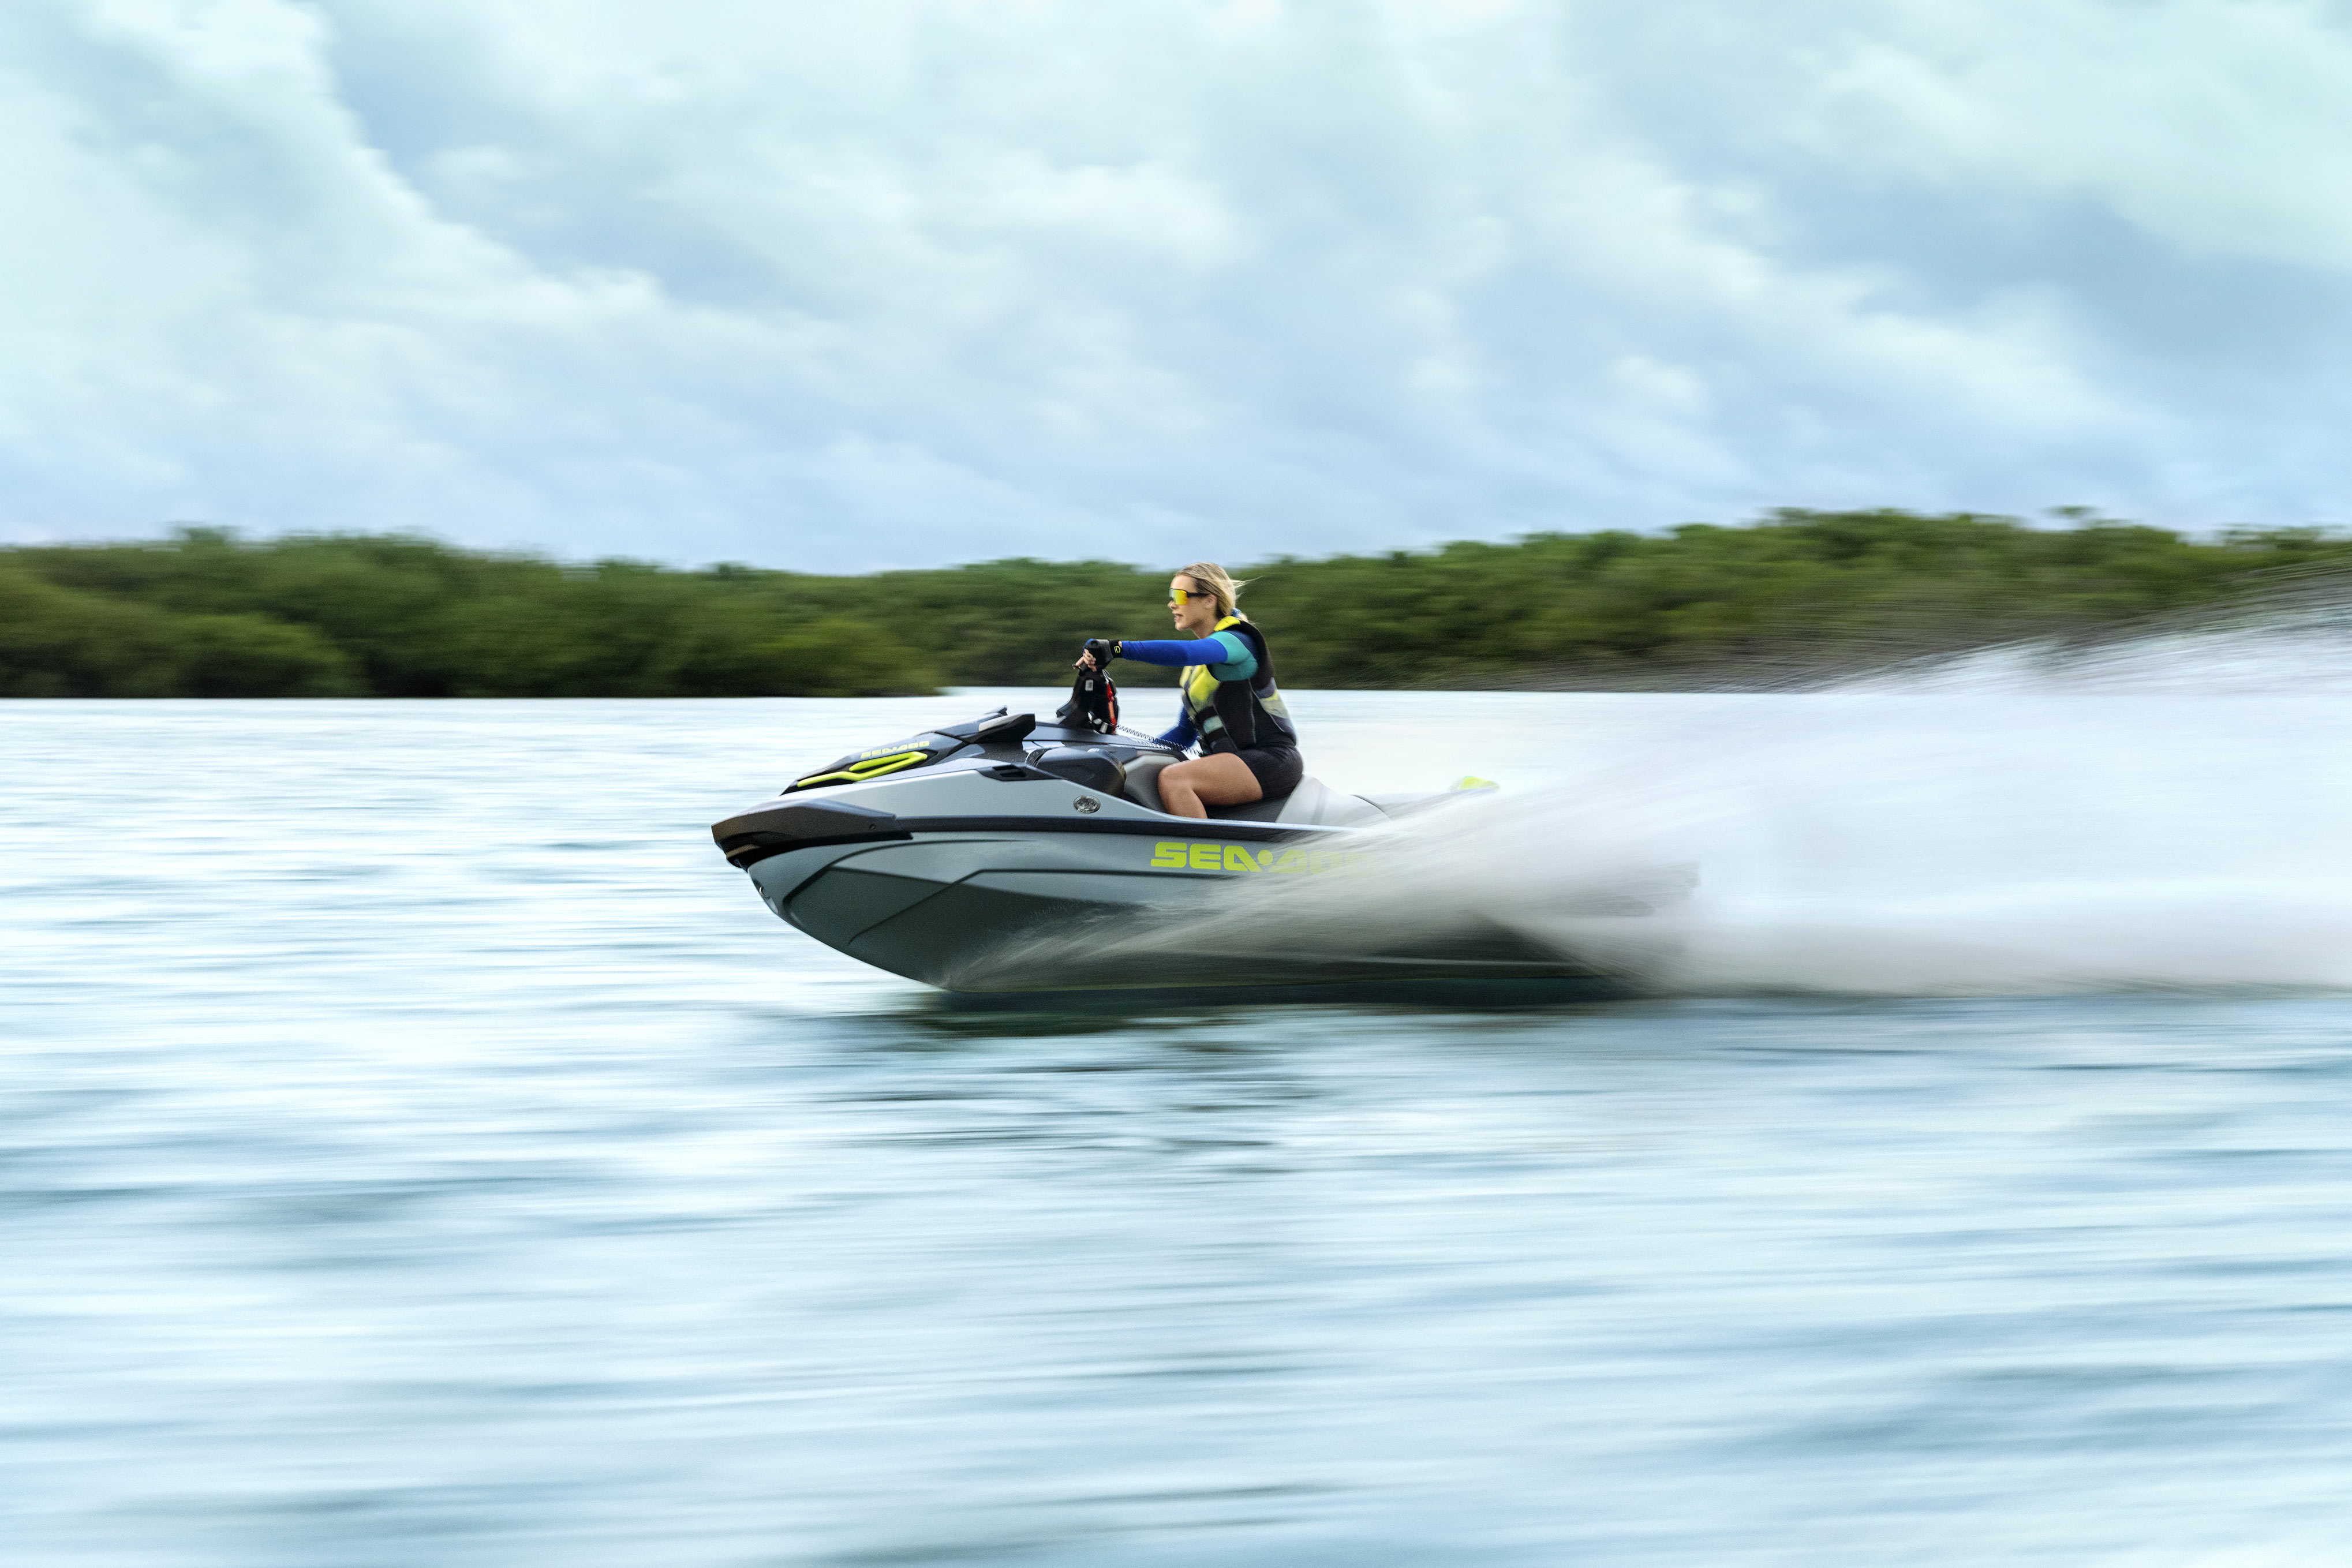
{"x": 859, "y": 772}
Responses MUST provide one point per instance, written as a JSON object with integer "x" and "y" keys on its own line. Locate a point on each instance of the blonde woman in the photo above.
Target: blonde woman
{"x": 1249, "y": 749}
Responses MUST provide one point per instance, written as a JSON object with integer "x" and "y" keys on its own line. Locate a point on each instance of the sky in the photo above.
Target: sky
{"x": 905, "y": 282}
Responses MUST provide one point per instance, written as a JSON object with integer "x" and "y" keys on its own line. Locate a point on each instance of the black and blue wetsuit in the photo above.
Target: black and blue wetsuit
{"x": 1231, "y": 702}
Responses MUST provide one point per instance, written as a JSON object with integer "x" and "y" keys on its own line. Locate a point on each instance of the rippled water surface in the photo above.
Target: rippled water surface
{"x": 419, "y": 1147}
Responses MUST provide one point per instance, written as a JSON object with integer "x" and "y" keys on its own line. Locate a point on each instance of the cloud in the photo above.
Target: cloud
{"x": 841, "y": 287}
{"x": 2209, "y": 125}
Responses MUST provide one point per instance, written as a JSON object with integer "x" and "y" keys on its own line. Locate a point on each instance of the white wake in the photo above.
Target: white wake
{"x": 2169, "y": 815}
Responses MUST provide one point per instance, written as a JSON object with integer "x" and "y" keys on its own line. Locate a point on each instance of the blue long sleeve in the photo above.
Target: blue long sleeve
{"x": 1226, "y": 653}
{"x": 1205, "y": 650}
{"x": 1182, "y": 736}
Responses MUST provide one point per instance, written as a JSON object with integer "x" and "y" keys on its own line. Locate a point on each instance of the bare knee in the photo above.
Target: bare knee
{"x": 1179, "y": 796}
{"x": 1207, "y": 781}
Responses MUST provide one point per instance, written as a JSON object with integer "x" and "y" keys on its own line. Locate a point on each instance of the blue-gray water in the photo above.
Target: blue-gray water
{"x": 419, "y": 1148}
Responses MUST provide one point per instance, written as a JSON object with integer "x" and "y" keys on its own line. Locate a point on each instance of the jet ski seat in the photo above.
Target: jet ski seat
{"x": 1143, "y": 781}
{"x": 1316, "y": 803}
{"x": 1313, "y": 802}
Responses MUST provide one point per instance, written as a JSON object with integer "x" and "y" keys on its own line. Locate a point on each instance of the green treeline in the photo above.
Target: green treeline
{"x": 207, "y": 614}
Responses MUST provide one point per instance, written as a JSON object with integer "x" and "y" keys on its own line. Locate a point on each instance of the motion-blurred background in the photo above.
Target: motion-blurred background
{"x": 1885, "y": 455}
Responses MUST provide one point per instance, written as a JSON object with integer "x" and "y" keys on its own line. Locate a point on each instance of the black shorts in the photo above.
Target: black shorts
{"x": 1277, "y": 769}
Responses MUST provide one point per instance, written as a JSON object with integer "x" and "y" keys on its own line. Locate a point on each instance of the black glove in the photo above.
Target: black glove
{"x": 1103, "y": 650}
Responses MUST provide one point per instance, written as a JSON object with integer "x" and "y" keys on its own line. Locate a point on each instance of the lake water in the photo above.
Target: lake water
{"x": 418, "y": 1146}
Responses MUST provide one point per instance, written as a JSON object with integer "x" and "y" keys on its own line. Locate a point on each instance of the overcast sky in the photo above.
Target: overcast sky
{"x": 898, "y": 282}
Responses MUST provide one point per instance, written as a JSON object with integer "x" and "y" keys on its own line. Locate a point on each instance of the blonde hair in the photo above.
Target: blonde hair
{"x": 1220, "y": 582}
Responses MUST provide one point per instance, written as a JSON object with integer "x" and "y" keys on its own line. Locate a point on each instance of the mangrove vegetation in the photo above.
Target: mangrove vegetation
{"x": 207, "y": 613}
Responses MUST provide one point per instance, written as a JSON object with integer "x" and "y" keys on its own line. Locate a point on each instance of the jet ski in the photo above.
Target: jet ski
{"x": 990, "y": 858}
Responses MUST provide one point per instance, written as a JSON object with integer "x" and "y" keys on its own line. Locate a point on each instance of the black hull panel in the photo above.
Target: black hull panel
{"x": 970, "y": 938}
{"x": 1454, "y": 994}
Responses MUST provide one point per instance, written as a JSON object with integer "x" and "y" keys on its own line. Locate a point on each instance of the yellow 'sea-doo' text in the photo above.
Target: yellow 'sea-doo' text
{"x": 1186, "y": 856}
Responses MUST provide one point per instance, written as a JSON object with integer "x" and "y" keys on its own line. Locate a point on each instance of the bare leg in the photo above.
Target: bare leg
{"x": 1190, "y": 789}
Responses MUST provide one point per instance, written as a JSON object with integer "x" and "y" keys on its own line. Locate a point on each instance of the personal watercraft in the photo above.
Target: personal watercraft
{"x": 989, "y": 858}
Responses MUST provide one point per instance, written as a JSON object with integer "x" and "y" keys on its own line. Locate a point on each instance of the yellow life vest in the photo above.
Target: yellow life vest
{"x": 1239, "y": 715}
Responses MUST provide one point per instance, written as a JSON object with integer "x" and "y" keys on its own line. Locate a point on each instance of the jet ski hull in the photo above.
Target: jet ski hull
{"x": 1022, "y": 904}
{"x": 1000, "y": 880}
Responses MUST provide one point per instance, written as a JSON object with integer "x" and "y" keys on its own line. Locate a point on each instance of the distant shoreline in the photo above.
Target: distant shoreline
{"x": 1796, "y": 598}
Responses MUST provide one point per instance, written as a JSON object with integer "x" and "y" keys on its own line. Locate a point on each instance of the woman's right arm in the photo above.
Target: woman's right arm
{"x": 1228, "y": 657}
{"x": 1177, "y": 651}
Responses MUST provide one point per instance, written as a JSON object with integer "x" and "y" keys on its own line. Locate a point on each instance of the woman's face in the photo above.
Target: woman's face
{"x": 1195, "y": 612}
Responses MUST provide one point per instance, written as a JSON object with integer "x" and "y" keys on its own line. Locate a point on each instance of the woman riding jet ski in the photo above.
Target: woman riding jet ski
{"x": 1249, "y": 748}
{"x": 1002, "y": 855}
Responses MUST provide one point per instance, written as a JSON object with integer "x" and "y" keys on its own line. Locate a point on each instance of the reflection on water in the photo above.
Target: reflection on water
{"x": 418, "y": 1146}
